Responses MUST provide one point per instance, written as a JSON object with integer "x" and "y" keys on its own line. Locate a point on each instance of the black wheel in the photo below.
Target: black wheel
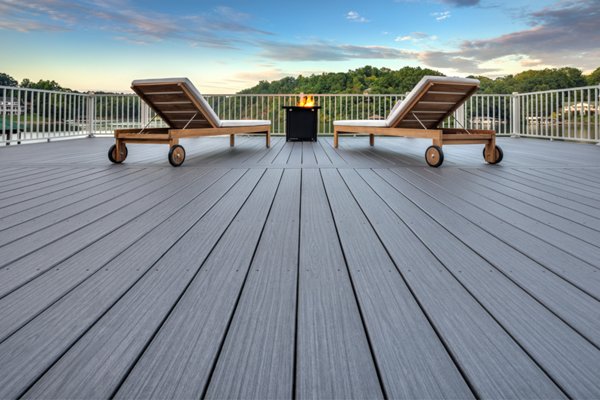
{"x": 112, "y": 153}
{"x": 176, "y": 155}
{"x": 434, "y": 156}
{"x": 499, "y": 155}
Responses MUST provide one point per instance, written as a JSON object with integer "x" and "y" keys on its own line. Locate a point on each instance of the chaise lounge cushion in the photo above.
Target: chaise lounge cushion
{"x": 376, "y": 123}
{"x": 225, "y": 123}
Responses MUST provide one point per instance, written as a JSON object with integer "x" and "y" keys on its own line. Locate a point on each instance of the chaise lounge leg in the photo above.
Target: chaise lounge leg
{"x": 118, "y": 144}
{"x": 335, "y": 139}
{"x": 490, "y": 151}
{"x": 231, "y": 140}
{"x": 372, "y": 139}
{"x": 268, "y": 138}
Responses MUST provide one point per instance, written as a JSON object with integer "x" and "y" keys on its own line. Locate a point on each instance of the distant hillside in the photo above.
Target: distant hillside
{"x": 386, "y": 81}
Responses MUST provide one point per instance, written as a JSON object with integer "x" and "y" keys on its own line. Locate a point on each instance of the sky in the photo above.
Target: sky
{"x": 226, "y": 46}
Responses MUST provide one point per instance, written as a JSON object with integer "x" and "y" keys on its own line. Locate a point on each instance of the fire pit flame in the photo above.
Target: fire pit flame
{"x": 306, "y": 101}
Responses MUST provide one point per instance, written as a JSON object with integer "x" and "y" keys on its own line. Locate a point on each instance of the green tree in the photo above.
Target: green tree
{"x": 43, "y": 85}
{"x": 7, "y": 80}
{"x": 368, "y": 78}
{"x": 594, "y": 77}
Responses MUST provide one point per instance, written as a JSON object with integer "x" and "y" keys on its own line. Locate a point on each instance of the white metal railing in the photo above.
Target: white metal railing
{"x": 570, "y": 114}
{"x": 34, "y": 115}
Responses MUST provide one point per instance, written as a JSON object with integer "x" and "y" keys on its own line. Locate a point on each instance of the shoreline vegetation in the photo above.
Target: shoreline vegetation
{"x": 373, "y": 80}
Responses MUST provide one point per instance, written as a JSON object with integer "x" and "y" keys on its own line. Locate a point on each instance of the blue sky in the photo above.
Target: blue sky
{"x": 227, "y": 46}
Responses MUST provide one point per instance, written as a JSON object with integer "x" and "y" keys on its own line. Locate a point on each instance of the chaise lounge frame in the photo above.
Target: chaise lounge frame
{"x": 187, "y": 115}
{"x": 434, "y": 99}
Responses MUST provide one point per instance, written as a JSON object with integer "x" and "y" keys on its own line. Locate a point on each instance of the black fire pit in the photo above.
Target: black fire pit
{"x": 301, "y": 123}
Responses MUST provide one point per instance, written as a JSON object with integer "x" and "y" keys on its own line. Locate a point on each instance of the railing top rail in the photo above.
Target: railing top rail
{"x": 298, "y": 94}
{"x": 294, "y": 94}
{"x": 558, "y": 90}
{"x": 42, "y": 90}
{"x": 493, "y": 95}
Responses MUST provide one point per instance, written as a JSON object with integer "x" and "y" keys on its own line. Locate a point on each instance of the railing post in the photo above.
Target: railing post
{"x": 91, "y": 113}
{"x": 516, "y": 114}
{"x": 459, "y": 116}
{"x": 144, "y": 117}
{"x": 597, "y": 116}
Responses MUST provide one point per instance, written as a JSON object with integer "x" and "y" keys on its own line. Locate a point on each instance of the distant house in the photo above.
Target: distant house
{"x": 11, "y": 106}
{"x": 580, "y": 108}
{"x": 485, "y": 121}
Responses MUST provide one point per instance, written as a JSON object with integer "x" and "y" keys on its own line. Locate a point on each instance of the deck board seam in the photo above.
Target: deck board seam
{"x": 548, "y": 199}
{"x": 90, "y": 276}
{"x": 2, "y": 266}
{"x": 527, "y": 291}
{"x": 239, "y": 295}
{"x": 467, "y": 290}
{"x": 519, "y": 229}
{"x": 410, "y": 289}
{"x": 474, "y": 178}
{"x": 352, "y": 285}
{"x": 180, "y": 296}
{"x": 54, "y": 264}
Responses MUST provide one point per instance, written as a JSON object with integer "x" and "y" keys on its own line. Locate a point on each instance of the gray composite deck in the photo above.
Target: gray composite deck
{"x": 300, "y": 271}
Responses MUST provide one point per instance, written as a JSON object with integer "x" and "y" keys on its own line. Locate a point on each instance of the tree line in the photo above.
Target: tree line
{"x": 374, "y": 80}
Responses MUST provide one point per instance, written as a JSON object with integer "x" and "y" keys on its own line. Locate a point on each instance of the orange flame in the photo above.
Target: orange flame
{"x": 306, "y": 101}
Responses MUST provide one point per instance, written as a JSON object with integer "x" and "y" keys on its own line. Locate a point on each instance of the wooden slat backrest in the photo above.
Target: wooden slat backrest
{"x": 433, "y": 104}
{"x": 175, "y": 103}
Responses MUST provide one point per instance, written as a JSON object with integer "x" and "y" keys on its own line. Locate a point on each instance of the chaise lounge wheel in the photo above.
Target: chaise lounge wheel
{"x": 112, "y": 153}
{"x": 498, "y": 155}
{"x": 434, "y": 156}
{"x": 176, "y": 155}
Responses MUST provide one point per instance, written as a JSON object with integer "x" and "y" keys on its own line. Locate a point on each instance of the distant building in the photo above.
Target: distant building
{"x": 11, "y": 106}
{"x": 580, "y": 108}
{"x": 486, "y": 121}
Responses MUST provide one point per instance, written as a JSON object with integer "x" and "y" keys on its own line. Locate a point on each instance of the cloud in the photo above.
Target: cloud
{"x": 416, "y": 37}
{"x": 452, "y": 3}
{"x": 563, "y": 34}
{"x": 442, "y": 15}
{"x": 221, "y": 27}
{"x": 461, "y": 3}
{"x": 323, "y": 51}
{"x": 260, "y": 75}
{"x": 353, "y": 16}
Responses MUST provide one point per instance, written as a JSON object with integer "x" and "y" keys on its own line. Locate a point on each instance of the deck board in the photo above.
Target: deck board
{"x": 29, "y": 354}
{"x": 492, "y": 361}
{"x": 566, "y": 300}
{"x": 179, "y": 361}
{"x": 257, "y": 359}
{"x": 299, "y": 270}
{"x": 333, "y": 355}
{"x": 411, "y": 357}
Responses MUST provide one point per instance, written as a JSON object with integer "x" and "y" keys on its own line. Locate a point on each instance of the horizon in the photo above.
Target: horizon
{"x": 104, "y": 45}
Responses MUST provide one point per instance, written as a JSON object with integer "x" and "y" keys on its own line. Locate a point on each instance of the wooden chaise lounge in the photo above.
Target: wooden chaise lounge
{"x": 421, "y": 113}
{"x": 186, "y": 113}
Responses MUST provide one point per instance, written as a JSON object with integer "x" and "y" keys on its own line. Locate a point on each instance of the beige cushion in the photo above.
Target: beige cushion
{"x": 243, "y": 122}
{"x": 381, "y": 123}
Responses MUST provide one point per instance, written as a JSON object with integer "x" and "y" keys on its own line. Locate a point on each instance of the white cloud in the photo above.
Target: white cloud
{"x": 442, "y": 15}
{"x": 353, "y": 16}
{"x": 221, "y": 27}
{"x": 549, "y": 41}
{"x": 416, "y": 37}
{"x": 323, "y": 51}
